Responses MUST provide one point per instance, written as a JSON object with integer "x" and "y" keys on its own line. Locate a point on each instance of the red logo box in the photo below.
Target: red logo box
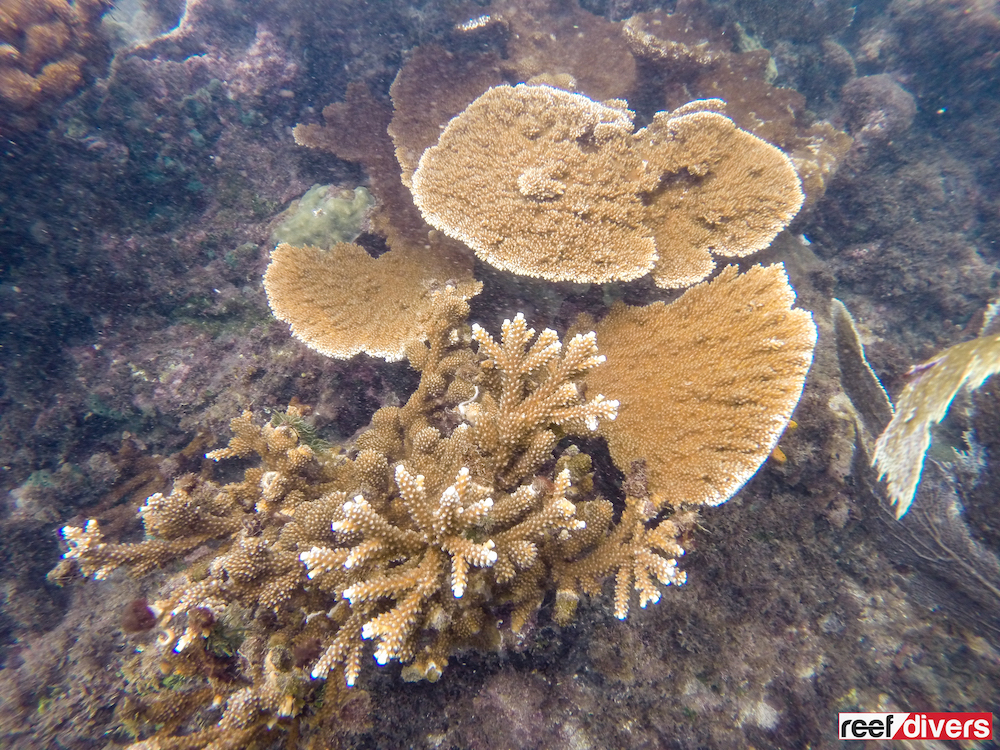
{"x": 915, "y": 726}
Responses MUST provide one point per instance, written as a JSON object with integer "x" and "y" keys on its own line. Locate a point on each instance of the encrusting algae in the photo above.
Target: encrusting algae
{"x": 447, "y": 523}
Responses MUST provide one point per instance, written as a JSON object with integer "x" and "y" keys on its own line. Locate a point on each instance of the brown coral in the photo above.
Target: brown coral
{"x": 438, "y": 529}
{"x": 682, "y": 40}
{"x": 686, "y": 55}
{"x": 530, "y": 177}
{"x": 720, "y": 190}
{"x": 557, "y": 41}
{"x": 551, "y": 184}
{"x": 433, "y": 86}
{"x": 706, "y": 383}
{"x": 47, "y": 49}
{"x": 342, "y": 301}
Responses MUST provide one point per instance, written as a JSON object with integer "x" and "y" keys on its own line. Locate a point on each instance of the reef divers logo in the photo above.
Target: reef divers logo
{"x": 914, "y": 726}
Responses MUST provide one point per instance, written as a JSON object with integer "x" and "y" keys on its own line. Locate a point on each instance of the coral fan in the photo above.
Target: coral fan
{"x": 342, "y": 301}
{"x": 706, "y": 415}
{"x": 900, "y": 449}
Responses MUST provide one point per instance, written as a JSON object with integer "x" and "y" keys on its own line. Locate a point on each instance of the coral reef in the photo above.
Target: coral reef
{"x": 453, "y": 522}
{"x": 135, "y": 233}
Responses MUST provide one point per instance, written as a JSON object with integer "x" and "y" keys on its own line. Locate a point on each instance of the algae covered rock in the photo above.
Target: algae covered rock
{"x": 324, "y": 216}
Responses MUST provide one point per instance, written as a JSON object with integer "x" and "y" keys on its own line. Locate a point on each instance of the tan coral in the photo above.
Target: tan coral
{"x": 639, "y": 555}
{"x": 47, "y": 49}
{"x": 531, "y": 178}
{"x": 510, "y": 430}
{"x": 449, "y": 525}
{"x": 552, "y": 40}
{"x": 720, "y": 190}
{"x": 433, "y": 86}
{"x": 342, "y": 301}
{"x": 687, "y": 55}
{"x": 545, "y": 183}
{"x": 706, "y": 383}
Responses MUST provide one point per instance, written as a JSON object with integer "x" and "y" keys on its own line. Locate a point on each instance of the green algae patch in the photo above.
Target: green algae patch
{"x": 324, "y": 216}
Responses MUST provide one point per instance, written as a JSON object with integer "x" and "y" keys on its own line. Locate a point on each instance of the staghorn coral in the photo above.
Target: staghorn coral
{"x": 706, "y": 416}
{"x": 47, "y": 49}
{"x": 342, "y": 301}
{"x": 448, "y": 519}
{"x": 465, "y": 513}
{"x": 246, "y": 589}
{"x": 901, "y": 448}
{"x": 551, "y": 184}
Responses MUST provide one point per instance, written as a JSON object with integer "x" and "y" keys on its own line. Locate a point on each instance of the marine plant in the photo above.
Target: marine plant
{"x": 901, "y": 448}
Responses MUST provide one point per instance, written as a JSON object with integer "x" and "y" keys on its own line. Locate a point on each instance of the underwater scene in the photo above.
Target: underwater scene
{"x": 495, "y": 374}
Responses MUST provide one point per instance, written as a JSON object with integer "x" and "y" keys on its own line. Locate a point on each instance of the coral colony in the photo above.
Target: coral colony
{"x": 548, "y": 217}
{"x": 447, "y": 523}
{"x": 452, "y": 517}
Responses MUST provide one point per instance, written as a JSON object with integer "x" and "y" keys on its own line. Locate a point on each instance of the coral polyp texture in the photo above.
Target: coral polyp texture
{"x": 707, "y": 383}
{"x": 551, "y": 184}
{"x": 445, "y": 528}
{"x": 686, "y": 55}
{"x": 342, "y": 301}
{"x": 47, "y": 50}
